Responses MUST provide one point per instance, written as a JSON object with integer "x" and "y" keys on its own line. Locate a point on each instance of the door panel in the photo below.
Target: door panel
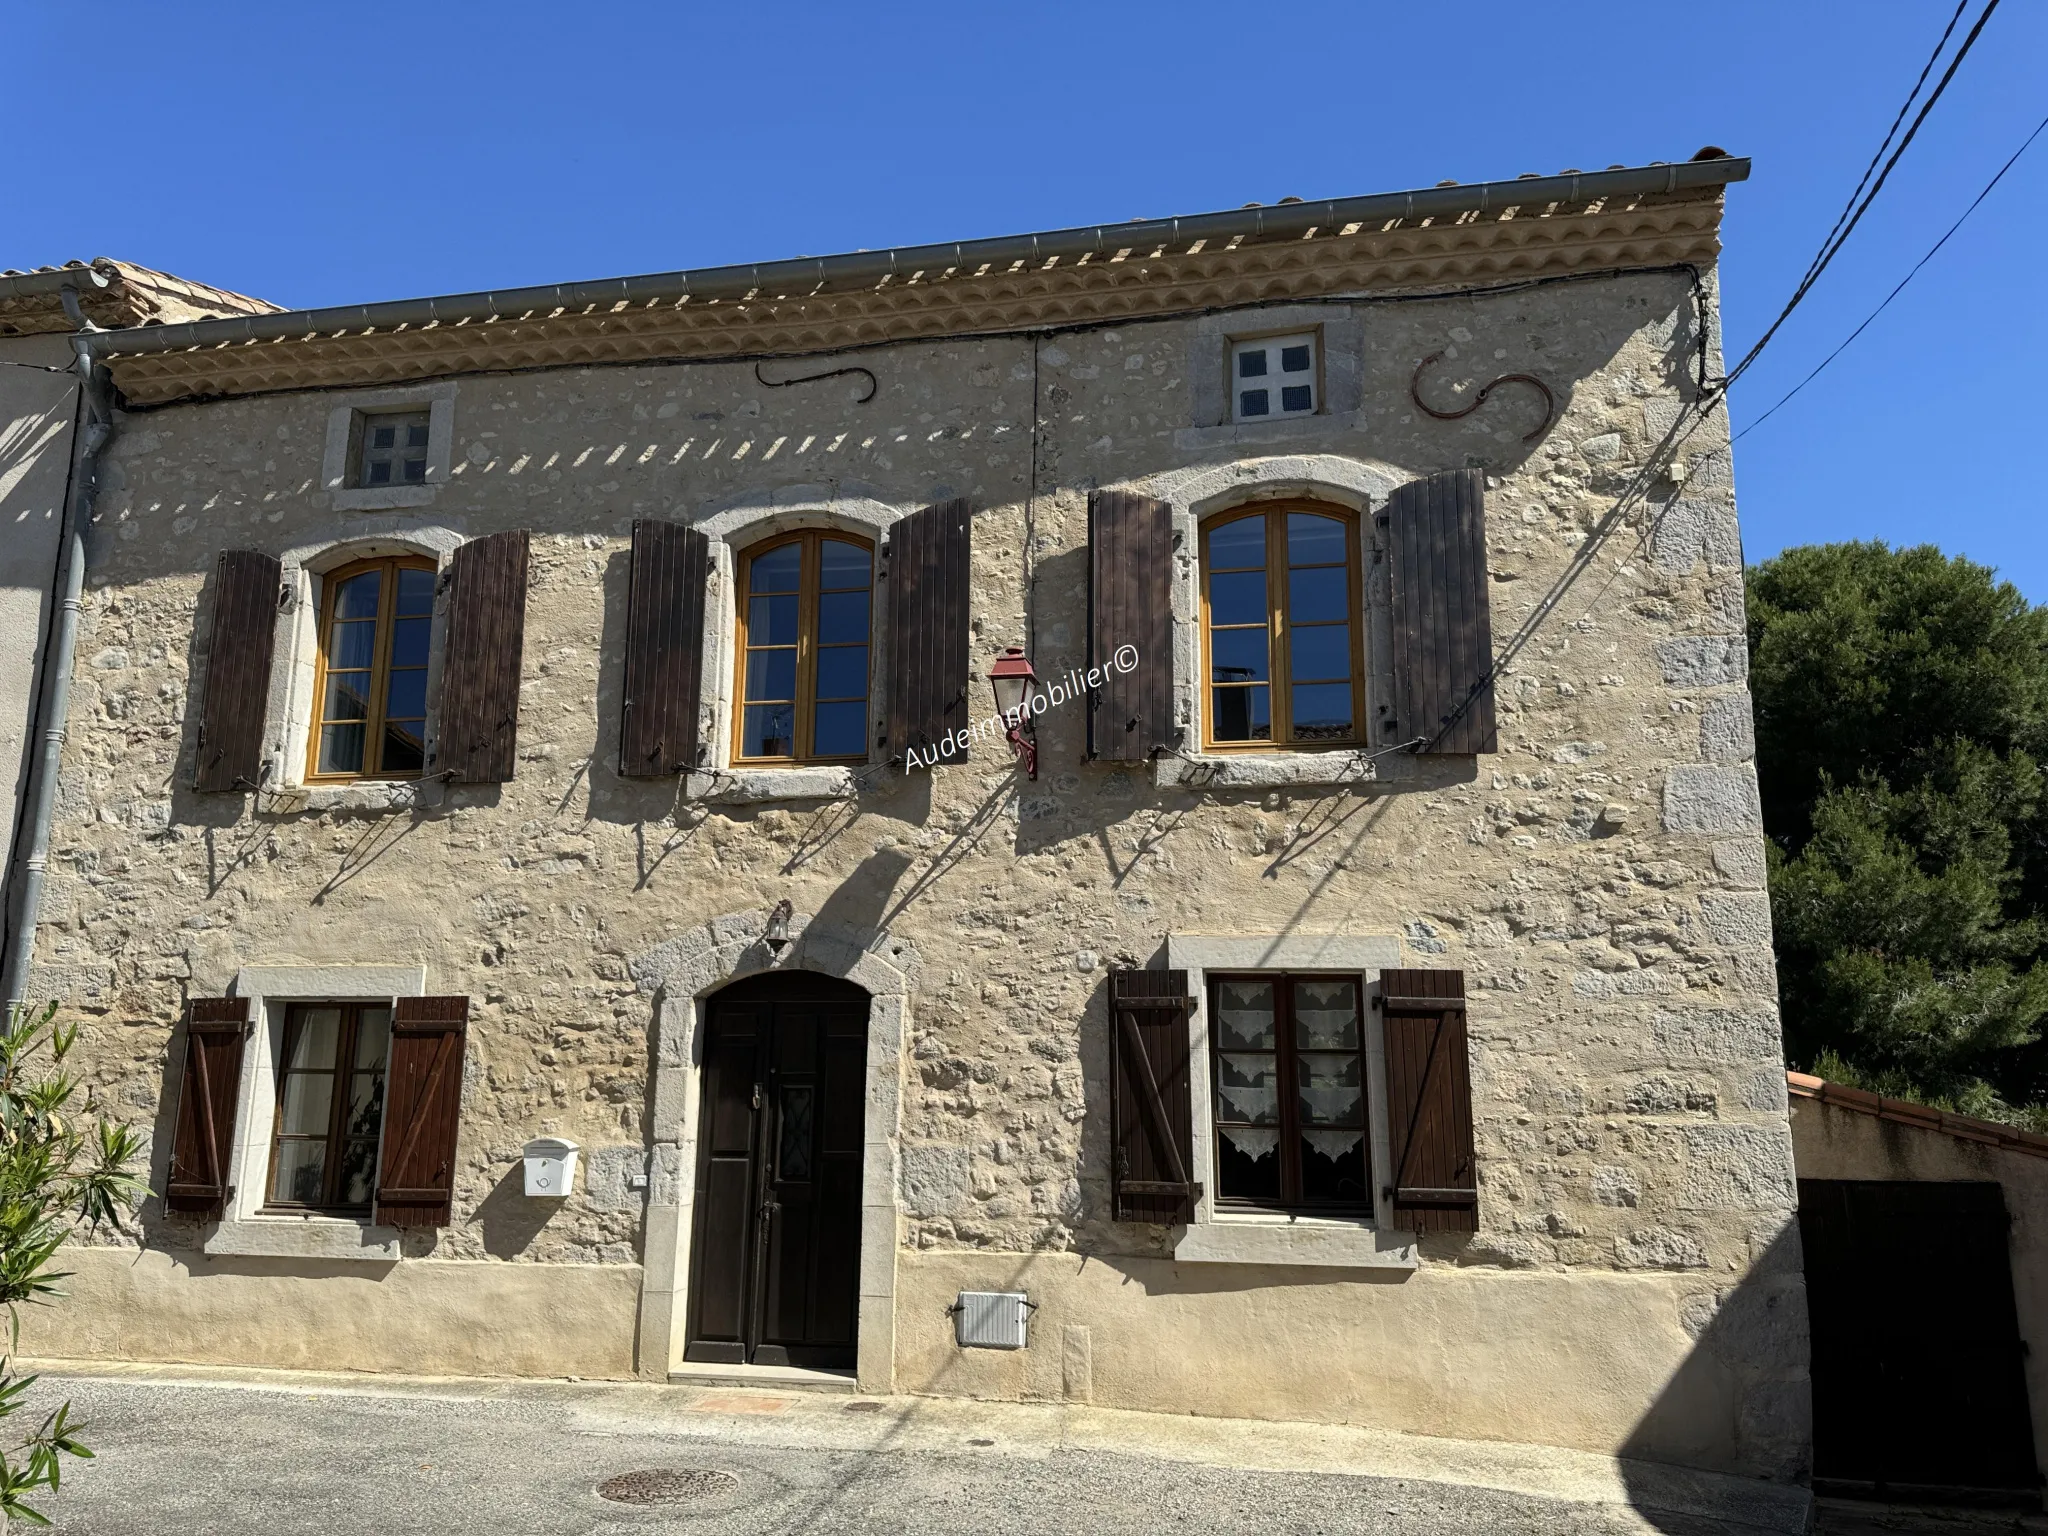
{"x": 776, "y": 1264}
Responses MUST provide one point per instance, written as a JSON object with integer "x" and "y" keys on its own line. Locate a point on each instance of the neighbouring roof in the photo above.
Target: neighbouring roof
{"x": 1448, "y": 236}
{"x": 1903, "y": 1112}
{"x": 114, "y": 294}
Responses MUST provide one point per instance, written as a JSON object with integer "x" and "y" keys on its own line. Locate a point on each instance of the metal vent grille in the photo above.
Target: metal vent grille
{"x": 990, "y": 1319}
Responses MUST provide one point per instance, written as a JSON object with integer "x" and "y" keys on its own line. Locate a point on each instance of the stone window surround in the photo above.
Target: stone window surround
{"x": 244, "y": 1231}
{"x": 1257, "y": 1237}
{"x": 288, "y": 712}
{"x": 682, "y": 974}
{"x": 337, "y": 472}
{"x": 1199, "y": 493}
{"x": 1340, "y": 349}
{"x": 735, "y": 525}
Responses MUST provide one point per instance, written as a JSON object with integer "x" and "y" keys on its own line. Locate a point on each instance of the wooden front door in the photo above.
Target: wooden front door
{"x": 775, "y": 1247}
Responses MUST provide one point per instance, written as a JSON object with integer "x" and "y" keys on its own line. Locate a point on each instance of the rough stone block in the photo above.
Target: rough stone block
{"x": 937, "y": 1179}
{"x": 1717, "y": 1034}
{"x": 1737, "y": 1167}
{"x": 1703, "y": 661}
{"x": 1691, "y": 529}
{"x": 1741, "y": 861}
{"x": 1707, "y": 797}
{"x": 608, "y": 1178}
{"x": 1737, "y": 918}
{"x": 1727, "y": 729}
{"x": 1659, "y": 1248}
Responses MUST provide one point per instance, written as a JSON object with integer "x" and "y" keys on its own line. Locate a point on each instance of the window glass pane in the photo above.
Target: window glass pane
{"x": 1323, "y": 593}
{"x": 1294, "y": 359}
{"x": 1333, "y": 1168}
{"x": 840, "y": 730}
{"x": 300, "y": 1167}
{"x": 1326, "y": 1015}
{"x": 352, "y": 645}
{"x": 771, "y": 620}
{"x": 383, "y": 437}
{"x": 341, "y": 749}
{"x": 304, "y": 1106}
{"x": 1237, "y": 655}
{"x": 404, "y": 751}
{"x": 365, "y": 1104}
{"x": 1251, "y": 363}
{"x": 842, "y": 616}
{"x": 769, "y": 731}
{"x": 416, "y": 469}
{"x": 1313, "y": 539}
{"x": 406, "y": 697}
{"x": 1296, "y": 397}
{"x": 1330, "y": 1089}
{"x": 1241, "y": 714}
{"x": 415, "y": 591}
{"x": 416, "y": 434}
{"x": 358, "y": 1172}
{"x": 380, "y": 473}
{"x": 1244, "y": 1015}
{"x": 1319, "y": 652}
{"x": 1252, "y": 402}
{"x": 841, "y": 564}
{"x": 1322, "y": 711}
{"x": 843, "y": 672}
{"x": 315, "y": 1035}
{"x": 1239, "y": 543}
{"x": 1238, "y": 597}
{"x": 347, "y": 696}
{"x": 776, "y": 571}
{"x": 409, "y": 642}
{"x": 357, "y": 597}
{"x": 1248, "y": 1163}
{"x": 1248, "y": 1089}
{"x": 793, "y": 1157}
{"x": 373, "y": 1036}
{"x": 771, "y": 674}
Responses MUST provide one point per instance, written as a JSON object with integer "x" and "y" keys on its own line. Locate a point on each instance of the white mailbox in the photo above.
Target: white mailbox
{"x": 550, "y": 1167}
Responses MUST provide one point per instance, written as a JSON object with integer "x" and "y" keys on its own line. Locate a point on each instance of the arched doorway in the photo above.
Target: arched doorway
{"x": 775, "y": 1237}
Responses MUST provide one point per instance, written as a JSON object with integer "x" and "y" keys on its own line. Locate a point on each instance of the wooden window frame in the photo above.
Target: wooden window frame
{"x": 380, "y": 668}
{"x": 337, "y": 1137}
{"x": 1278, "y": 669}
{"x": 1286, "y": 1055}
{"x": 808, "y": 572}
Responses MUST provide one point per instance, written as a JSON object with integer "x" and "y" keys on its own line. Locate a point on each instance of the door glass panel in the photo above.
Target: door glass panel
{"x": 1314, "y": 540}
{"x": 793, "y": 1160}
{"x": 1238, "y": 655}
{"x": 301, "y": 1168}
{"x": 373, "y": 1035}
{"x": 357, "y": 597}
{"x": 307, "y": 1098}
{"x": 1318, "y": 596}
{"x": 776, "y": 571}
{"x": 1238, "y": 597}
{"x": 358, "y": 1172}
{"x": 1238, "y": 545}
{"x": 1242, "y": 714}
{"x": 315, "y": 1033}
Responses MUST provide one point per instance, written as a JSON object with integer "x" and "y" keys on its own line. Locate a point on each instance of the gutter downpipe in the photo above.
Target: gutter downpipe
{"x": 99, "y": 427}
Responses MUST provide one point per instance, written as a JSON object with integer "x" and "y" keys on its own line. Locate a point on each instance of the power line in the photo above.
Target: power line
{"x": 1833, "y": 245}
{"x": 1901, "y": 288}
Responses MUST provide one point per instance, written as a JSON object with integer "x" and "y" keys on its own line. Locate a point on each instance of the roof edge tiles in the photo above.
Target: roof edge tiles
{"x": 1902, "y": 1112}
{"x": 114, "y": 294}
{"x": 815, "y": 275}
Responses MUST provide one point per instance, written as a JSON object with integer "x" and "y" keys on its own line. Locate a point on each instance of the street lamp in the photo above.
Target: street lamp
{"x": 1014, "y": 683}
{"x": 777, "y": 936}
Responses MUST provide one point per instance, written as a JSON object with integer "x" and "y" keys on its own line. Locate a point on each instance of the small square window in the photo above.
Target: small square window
{"x": 394, "y": 449}
{"x": 1293, "y": 358}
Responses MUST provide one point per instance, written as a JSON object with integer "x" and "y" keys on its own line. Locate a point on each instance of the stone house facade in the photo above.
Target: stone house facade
{"x": 554, "y": 714}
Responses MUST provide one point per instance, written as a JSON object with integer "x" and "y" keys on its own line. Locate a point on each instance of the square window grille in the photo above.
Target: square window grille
{"x": 394, "y": 449}
{"x": 1273, "y": 376}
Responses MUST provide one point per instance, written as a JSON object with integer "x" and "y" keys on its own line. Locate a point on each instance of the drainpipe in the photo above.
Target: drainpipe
{"x": 42, "y": 798}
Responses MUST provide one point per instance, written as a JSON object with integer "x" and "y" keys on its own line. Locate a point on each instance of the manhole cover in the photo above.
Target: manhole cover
{"x": 666, "y": 1486}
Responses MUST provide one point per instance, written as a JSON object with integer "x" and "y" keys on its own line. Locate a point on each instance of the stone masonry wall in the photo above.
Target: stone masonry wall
{"x": 1600, "y": 880}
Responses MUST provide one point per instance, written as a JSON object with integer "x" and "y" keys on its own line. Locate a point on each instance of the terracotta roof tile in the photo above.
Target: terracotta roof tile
{"x": 1904, "y": 1112}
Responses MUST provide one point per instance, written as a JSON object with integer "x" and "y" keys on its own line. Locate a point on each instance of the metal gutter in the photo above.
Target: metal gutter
{"x": 860, "y": 270}
{"x": 36, "y": 285}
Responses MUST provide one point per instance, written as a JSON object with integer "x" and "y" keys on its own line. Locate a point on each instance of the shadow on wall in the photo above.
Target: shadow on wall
{"x": 509, "y": 1221}
{"x": 1740, "y": 1403}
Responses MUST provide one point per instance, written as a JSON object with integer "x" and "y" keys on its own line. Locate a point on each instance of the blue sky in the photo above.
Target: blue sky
{"x": 319, "y": 154}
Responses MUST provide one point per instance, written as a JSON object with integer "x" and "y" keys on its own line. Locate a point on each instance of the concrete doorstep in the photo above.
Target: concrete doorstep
{"x": 1596, "y": 1493}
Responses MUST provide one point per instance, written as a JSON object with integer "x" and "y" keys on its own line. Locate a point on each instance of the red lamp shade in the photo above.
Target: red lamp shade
{"x": 1013, "y": 681}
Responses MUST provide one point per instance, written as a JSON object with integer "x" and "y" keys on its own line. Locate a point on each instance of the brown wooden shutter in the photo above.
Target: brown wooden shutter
{"x": 929, "y": 669}
{"x": 1429, "y": 1101}
{"x": 1151, "y": 1111}
{"x": 422, "y": 1108}
{"x": 1130, "y": 604}
{"x": 204, "y": 1139}
{"x": 664, "y": 650}
{"x": 1443, "y": 635}
{"x": 246, "y": 590}
{"x": 486, "y": 586}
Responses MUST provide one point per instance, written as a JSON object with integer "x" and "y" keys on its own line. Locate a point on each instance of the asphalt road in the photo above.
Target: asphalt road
{"x": 265, "y": 1459}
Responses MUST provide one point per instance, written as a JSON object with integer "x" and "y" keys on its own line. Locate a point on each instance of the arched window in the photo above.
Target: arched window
{"x": 1280, "y": 627}
{"x": 370, "y": 692}
{"x": 804, "y": 625}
